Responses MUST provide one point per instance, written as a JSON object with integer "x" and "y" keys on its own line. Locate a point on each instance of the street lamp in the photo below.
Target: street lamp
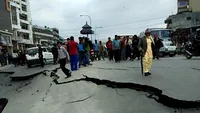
{"x": 89, "y": 18}
{"x": 90, "y": 21}
{"x": 96, "y": 30}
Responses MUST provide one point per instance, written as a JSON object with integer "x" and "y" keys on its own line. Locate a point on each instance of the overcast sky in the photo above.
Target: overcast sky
{"x": 115, "y": 16}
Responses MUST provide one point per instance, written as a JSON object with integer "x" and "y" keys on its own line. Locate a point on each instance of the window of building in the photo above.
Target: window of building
{"x": 14, "y": 15}
{"x": 23, "y": 17}
{"x": 18, "y": 34}
{"x": 25, "y": 36}
{"x": 188, "y": 18}
{"x": 24, "y": 8}
{"x": 24, "y": 0}
{"x": 24, "y": 26}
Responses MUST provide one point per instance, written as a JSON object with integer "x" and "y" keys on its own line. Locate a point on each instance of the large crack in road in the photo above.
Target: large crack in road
{"x": 154, "y": 93}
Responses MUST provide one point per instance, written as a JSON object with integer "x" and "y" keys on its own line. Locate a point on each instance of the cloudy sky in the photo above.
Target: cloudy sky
{"x": 115, "y": 16}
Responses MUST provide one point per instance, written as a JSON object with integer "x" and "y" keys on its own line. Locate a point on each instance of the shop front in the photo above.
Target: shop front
{"x": 5, "y": 41}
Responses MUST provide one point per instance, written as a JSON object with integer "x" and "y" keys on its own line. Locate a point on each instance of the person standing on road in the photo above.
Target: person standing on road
{"x": 67, "y": 45}
{"x": 128, "y": 47}
{"x": 40, "y": 55}
{"x": 81, "y": 52}
{"x": 73, "y": 52}
{"x": 109, "y": 46}
{"x": 63, "y": 56}
{"x": 116, "y": 48}
{"x": 145, "y": 46}
{"x": 123, "y": 49}
{"x": 136, "y": 52}
{"x": 158, "y": 45}
{"x": 87, "y": 53}
{"x": 101, "y": 51}
{"x": 55, "y": 53}
{"x": 96, "y": 50}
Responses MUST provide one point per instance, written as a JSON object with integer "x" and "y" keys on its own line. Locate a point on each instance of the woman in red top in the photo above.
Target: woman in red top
{"x": 73, "y": 52}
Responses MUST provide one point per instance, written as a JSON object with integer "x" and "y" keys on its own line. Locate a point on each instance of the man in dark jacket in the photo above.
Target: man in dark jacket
{"x": 135, "y": 42}
{"x": 145, "y": 46}
{"x": 55, "y": 53}
{"x": 158, "y": 45}
{"x": 40, "y": 56}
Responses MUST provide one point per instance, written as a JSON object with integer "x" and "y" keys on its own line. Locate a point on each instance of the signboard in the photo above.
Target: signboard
{"x": 182, "y": 3}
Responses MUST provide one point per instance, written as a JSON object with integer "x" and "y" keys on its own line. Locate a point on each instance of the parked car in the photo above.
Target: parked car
{"x": 32, "y": 56}
{"x": 168, "y": 49}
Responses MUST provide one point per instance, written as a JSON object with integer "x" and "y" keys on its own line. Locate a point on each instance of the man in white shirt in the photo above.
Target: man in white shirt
{"x": 63, "y": 56}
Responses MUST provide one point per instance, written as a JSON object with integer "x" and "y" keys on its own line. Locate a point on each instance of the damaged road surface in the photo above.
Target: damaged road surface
{"x": 107, "y": 87}
{"x": 155, "y": 93}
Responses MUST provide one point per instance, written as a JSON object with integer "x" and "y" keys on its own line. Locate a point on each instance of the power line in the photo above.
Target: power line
{"x": 121, "y": 24}
{"x": 134, "y": 22}
{"x": 124, "y": 31}
{"x": 131, "y": 27}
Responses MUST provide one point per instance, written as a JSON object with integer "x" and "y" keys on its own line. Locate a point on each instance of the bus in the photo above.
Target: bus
{"x": 163, "y": 33}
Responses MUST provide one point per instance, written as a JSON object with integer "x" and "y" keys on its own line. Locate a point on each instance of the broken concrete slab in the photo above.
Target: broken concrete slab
{"x": 10, "y": 69}
{"x": 27, "y": 73}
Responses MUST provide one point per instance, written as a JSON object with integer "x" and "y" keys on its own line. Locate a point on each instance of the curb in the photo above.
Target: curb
{"x": 19, "y": 78}
{"x": 7, "y": 72}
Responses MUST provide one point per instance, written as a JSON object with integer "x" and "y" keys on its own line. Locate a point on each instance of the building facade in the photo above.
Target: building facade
{"x": 188, "y": 15}
{"x": 21, "y": 24}
{"x": 188, "y": 5}
{"x": 183, "y": 20}
{"x": 45, "y": 36}
{"x": 5, "y": 26}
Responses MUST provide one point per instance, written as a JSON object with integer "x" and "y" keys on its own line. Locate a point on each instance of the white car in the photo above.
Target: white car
{"x": 32, "y": 56}
{"x": 168, "y": 49}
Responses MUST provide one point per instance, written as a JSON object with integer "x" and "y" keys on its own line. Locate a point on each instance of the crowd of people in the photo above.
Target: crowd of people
{"x": 82, "y": 53}
{"x": 6, "y": 58}
{"x": 79, "y": 54}
{"x": 121, "y": 48}
{"x": 124, "y": 48}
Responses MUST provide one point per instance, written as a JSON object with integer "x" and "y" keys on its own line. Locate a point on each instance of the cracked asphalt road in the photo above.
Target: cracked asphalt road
{"x": 177, "y": 77}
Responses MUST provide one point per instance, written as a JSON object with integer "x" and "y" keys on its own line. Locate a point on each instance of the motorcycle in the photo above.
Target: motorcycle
{"x": 92, "y": 55}
{"x": 191, "y": 50}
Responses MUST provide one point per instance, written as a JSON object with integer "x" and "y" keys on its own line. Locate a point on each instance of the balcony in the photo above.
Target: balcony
{"x": 183, "y": 10}
{"x": 16, "y": 27}
{"x": 23, "y": 2}
{"x": 15, "y": 4}
{"x": 24, "y": 21}
{"x": 25, "y": 41}
{"x": 25, "y": 31}
{"x": 23, "y": 12}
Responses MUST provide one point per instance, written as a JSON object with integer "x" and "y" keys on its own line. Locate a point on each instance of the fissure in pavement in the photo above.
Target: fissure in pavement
{"x": 154, "y": 92}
